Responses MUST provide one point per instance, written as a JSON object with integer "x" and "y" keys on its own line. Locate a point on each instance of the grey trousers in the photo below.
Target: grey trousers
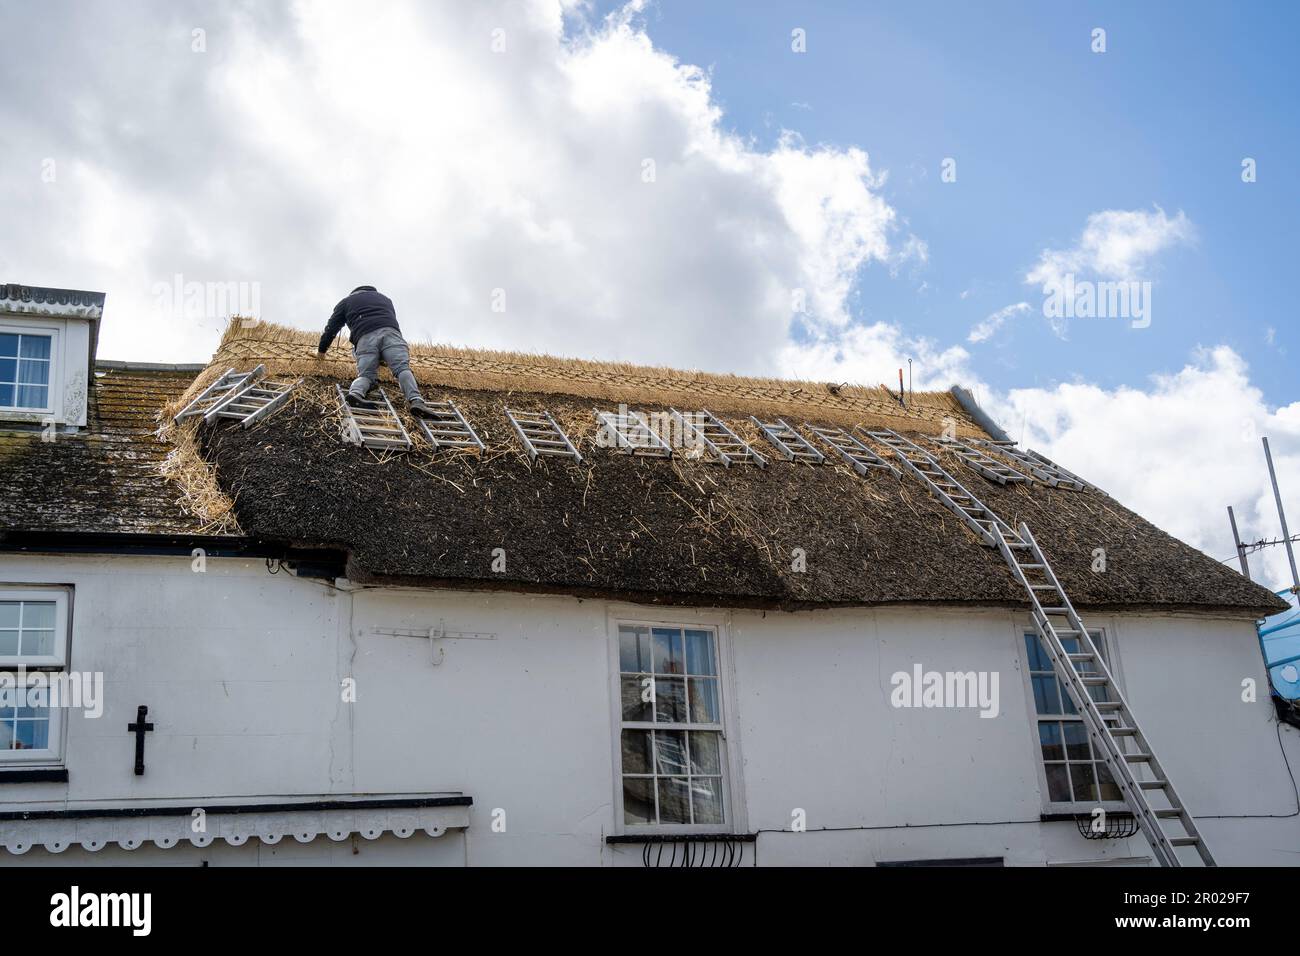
{"x": 388, "y": 346}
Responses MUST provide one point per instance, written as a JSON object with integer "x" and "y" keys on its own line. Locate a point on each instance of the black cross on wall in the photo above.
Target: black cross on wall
{"x": 140, "y": 728}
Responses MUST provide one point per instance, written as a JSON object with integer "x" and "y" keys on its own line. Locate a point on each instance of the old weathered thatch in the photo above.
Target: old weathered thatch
{"x": 107, "y": 479}
{"x": 684, "y": 530}
{"x": 651, "y": 530}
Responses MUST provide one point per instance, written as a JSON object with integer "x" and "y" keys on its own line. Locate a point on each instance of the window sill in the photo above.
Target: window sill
{"x": 680, "y": 838}
{"x": 34, "y": 775}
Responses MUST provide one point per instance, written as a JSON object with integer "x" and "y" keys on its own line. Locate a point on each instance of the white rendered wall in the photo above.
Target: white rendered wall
{"x": 241, "y": 671}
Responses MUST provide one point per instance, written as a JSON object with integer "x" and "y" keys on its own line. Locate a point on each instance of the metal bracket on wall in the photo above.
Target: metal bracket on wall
{"x": 433, "y": 635}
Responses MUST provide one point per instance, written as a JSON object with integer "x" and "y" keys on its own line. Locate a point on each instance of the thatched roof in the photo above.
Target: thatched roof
{"x": 662, "y": 531}
{"x": 108, "y": 478}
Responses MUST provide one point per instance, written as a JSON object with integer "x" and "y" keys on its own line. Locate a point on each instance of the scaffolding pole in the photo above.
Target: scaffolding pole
{"x": 1281, "y": 514}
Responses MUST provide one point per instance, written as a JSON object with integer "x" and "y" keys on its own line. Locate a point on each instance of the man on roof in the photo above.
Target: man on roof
{"x": 376, "y": 337}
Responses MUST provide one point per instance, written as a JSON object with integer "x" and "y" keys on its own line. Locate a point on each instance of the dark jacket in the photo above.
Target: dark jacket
{"x": 363, "y": 311}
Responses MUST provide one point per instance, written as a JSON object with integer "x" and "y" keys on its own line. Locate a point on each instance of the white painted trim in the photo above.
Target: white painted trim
{"x": 56, "y": 329}
{"x": 732, "y": 785}
{"x": 62, "y": 621}
{"x": 269, "y": 827}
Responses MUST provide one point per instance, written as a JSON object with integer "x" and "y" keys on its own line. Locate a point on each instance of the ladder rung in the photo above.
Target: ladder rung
{"x": 1172, "y": 813}
{"x": 1152, "y": 784}
{"x": 1137, "y": 758}
{"x": 1185, "y": 841}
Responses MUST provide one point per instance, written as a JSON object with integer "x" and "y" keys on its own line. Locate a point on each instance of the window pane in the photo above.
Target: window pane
{"x": 9, "y": 611}
{"x": 670, "y": 700}
{"x": 8, "y": 370}
{"x": 633, "y": 649}
{"x": 32, "y": 396}
{"x": 33, "y": 735}
{"x": 1109, "y": 789}
{"x": 706, "y": 799}
{"x": 34, "y": 346}
{"x": 1084, "y": 789}
{"x": 1058, "y": 783}
{"x": 704, "y": 700}
{"x": 1046, "y": 695}
{"x": 674, "y": 800}
{"x": 7, "y": 395}
{"x": 33, "y": 372}
{"x": 635, "y": 688}
{"x": 638, "y": 800}
{"x": 699, "y": 653}
{"x": 37, "y": 642}
{"x": 1049, "y": 736}
{"x": 636, "y": 751}
{"x": 9, "y": 643}
{"x": 705, "y": 756}
{"x": 37, "y": 614}
{"x": 1034, "y": 650}
{"x": 8, "y": 343}
{"x": 668, "y": 651}
{"x": 7, "y": 722}
{"x": 1076, "y": 741}
{"x": 670, "y": 751}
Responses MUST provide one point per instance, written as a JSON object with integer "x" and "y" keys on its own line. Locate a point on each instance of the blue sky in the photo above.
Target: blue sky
{"x": 1044, "y": 133}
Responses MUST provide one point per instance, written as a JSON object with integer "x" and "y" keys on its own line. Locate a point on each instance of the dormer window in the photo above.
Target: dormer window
{"x": 25, "y": 365}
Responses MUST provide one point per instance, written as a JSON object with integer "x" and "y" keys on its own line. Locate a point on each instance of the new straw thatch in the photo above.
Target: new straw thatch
{"x": 655, "y": 531}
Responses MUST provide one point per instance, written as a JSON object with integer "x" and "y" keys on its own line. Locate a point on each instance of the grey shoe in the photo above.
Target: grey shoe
{"x": 356, "y": 401}
{"x": 421, "y": 409}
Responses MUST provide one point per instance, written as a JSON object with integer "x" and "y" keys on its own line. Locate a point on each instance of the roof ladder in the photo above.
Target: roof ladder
{"x": 788, "y": 441}
{"x": 990, "y": 468}
{"x": 1114, "y": 731}
{"x": 629, "y": 432}
{"x": 449, "y": 428}
{"x": 219, "y": 391}
{"x": 1040, "y": 466}
{"x": 959, "y": 500}
{"x": 373, "y": 424}
{"x": 541, "y": 435}
{"x": 252, "y": 403}
{"x": 847, "y": 446}
{"x": 704, "y": 429}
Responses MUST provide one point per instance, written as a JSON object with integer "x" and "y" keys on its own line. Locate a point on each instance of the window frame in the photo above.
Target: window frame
{"x": 1107, "y": 630}
{"x": 58, "y": 662}
{"x": 733, "y": 809}
{"x": 53, "y": 394}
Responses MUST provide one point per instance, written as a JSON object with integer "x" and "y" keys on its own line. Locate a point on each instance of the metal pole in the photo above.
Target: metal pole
{"x": 1241, "y": 551}
{"x": 1286, "y": 535}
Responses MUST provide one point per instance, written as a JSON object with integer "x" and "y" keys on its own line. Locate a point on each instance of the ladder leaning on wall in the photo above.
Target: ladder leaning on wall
{"x": 1116, "y": 737}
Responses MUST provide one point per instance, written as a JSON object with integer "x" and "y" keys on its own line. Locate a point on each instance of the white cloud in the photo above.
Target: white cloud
{"x": 983, "y": 331}
{"x": 317, "y": 147}
{"x": 1115, "y": 244}
{"x": 1178, "y": 453}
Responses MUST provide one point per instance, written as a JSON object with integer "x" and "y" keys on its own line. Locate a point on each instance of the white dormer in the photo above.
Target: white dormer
{"x": 47, "y": 352}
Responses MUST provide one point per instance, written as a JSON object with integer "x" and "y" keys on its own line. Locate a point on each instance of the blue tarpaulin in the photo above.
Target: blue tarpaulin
{"x": 1279, "y": 638}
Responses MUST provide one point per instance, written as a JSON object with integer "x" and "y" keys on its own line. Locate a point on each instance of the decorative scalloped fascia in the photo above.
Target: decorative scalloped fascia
{"x": 130, "y": 833}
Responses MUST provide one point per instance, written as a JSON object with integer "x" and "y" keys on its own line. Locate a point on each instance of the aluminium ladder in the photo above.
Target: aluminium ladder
{"x": 632, "y": 434}
{"x": 541, "y": 435}
{"x": 847, "y": 446}
{"x": 1109, "y": 719}
{"x": 704, "y": 429}
{"x": 958, "y": 499}
{"x": 788, "y": 441}
{"x": 1111, "y": 725}
{"x": 1040, "y": 466}
{"x": 374, "y": 424}
{"x": 990, "y": 468}
{"x": 252, "y": 403}
{"x": 448, "y": 428}
{"x": 227, "y": 385}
